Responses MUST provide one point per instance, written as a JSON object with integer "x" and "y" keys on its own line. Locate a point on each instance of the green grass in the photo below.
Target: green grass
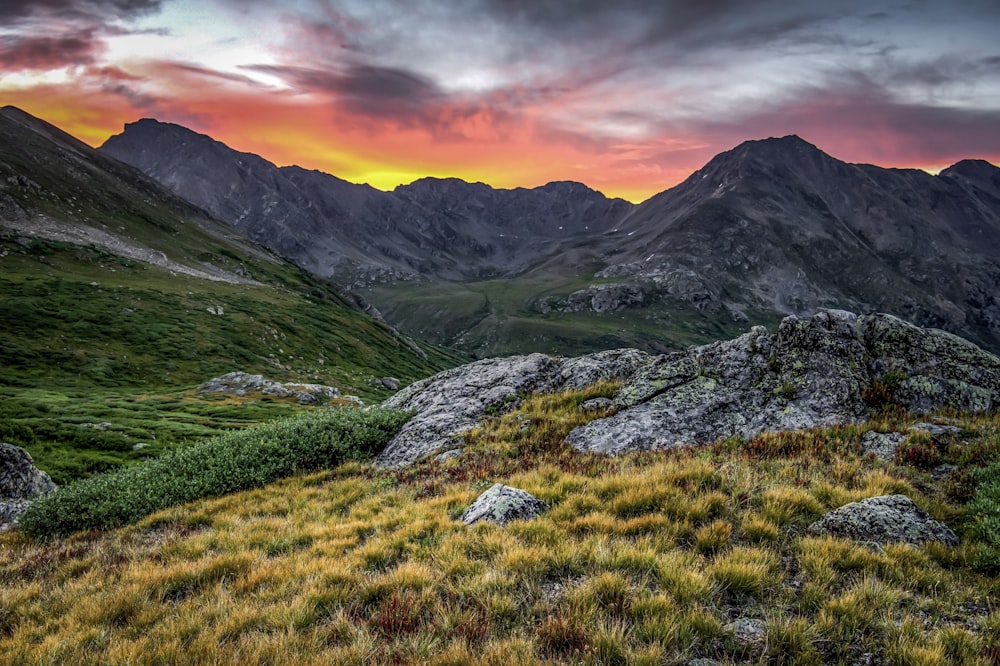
{"x": 90, "y": 338}
{"x": 502, "y": 317}
{"x": 74, "y": 434}
{"x": 220, "y": 465}
{"x": 70, "y": 321}
{"x": 643, "y": 558}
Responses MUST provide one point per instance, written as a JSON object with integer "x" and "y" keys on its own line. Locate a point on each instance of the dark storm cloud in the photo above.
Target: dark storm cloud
{"x": 43, "y": 53}
{"x": 69, "y": 10}
{"x": 403, "y": 97}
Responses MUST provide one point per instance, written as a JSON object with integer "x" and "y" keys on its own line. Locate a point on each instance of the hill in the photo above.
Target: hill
{"x": 117, "y": 297}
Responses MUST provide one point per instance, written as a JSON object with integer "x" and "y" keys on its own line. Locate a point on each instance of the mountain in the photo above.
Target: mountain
{"x": 770, "y": 228}
{"x": 779, "y": 225}
{"x": 109, "y": 279}
{"x": 443, "y": 228}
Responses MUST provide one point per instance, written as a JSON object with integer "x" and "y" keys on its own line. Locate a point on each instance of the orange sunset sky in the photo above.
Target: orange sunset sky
{"x": 628, "y": 97}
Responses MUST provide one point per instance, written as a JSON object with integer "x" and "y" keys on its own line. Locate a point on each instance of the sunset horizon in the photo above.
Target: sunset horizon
{"x": 628, "y": 99}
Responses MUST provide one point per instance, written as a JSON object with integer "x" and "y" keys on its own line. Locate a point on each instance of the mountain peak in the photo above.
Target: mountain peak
{"x": 790, "y": 145}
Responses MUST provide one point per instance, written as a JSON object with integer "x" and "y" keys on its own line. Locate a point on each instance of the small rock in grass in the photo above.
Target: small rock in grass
{"x": 885, "y": 519}
{"x": 502, "y": 504}
{"x": 882, "y": 444}
{"x": 747, "y": 630}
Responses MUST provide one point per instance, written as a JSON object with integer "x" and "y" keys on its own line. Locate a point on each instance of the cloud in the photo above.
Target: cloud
{"x": 72, "y": 10}
{"x": 44, "y": 53}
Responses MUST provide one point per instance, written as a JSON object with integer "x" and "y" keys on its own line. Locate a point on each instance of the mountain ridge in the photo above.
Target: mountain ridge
{"x": 769, "y": 228}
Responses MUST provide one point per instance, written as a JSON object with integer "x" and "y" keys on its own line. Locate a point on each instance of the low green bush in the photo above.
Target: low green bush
{"x": 984, "y": 510}
{"x": 224, "y": 464}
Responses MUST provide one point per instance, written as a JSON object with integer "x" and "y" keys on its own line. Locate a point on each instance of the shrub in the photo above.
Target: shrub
{"x": 224, "y": 464}
{"x": 984, "y": 509}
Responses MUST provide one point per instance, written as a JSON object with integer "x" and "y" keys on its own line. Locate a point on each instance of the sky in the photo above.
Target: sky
{"x": 627, "y": 96}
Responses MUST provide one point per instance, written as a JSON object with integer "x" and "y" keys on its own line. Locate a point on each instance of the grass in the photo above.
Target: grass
{"x": 76, "y": 434}
{"x": 224, "y": 464}
{"x": 643, "y": 558}
{"x": 502, "y": 317}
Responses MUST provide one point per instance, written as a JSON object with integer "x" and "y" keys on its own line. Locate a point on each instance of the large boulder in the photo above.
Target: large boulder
{"x": 452, "y": 402}
{"x": 501, "y": 504}
{"x": 811, "y": 372}
{"x": 20, "y": 483}
{"x": 885, "y": 519}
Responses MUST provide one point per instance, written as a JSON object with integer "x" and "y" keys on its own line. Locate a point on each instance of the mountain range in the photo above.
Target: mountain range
{"x": 770, "y": 228}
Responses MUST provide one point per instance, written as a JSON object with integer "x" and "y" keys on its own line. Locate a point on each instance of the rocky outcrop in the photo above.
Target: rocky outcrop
{"x": 20, "y": 483}
{"x": 452, "y": 402}
{"x": 502, "y": 504}
{"x": 886, "y": 519}
{"x": 811, "y": 372}
{"x": 241, "y": 383}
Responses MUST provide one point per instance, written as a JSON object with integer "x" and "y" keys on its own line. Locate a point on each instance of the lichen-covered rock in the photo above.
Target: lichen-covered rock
{"x": 885, "y": 519}
{"x": 501, "y": 504}
{"x": 20, "y": 483}
{"x": 452, "y": 402}
{"x": 811, "y": 372}
{"x": 241, "y": 383}
{"x": 747, "y": 630}
{"x": 882, "y": 444}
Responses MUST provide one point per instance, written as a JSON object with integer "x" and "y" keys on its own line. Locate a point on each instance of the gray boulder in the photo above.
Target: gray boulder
{"x": 882, "y": 444}
{"x": 810, "y": 373}
{"x": 501, "y": 504}
{"x": 241, "y": 383}
{"x": 452, "y": 402}
{"x": 20, "y": 483}
{"x": 886, "y": 519}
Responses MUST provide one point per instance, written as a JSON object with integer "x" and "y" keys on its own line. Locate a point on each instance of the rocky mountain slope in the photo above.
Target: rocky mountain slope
{"x": 779, "y": 225}
{"x": 442, "y": 228}
{"x": 770, "y": 228}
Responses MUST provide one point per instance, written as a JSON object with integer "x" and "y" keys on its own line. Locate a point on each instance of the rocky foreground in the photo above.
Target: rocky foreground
{"x": 827, "y": 369}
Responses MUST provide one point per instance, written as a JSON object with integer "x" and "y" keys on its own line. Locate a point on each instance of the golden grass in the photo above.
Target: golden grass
{"x": 643, "y": 559}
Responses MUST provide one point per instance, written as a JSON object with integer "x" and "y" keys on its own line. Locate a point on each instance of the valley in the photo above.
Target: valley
{"x": 819, "y": 489}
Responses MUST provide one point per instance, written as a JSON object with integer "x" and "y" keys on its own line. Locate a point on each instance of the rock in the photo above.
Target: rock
{"x": 241, "y": 383}
{"x": 452, "y": 402}
{"x": 596, "y": 404}
{"x": 939, "y": 433}
{"x": 390, "y": 383}
{"x": 20, "y": 483}
{"x": 810, "y": 373}
{"x": 447, "y": 455}
{"x": 611, "y": 365}
{"x": 882, "y": 444}
{"x": 704, "y": 661}
{"x": 885, "y": 519}
{"x": 502, "y": 504}
{"x": 942, "y": 471}
{"x": 747, "y": 630}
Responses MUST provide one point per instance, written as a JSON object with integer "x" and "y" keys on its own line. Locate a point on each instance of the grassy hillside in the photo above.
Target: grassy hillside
{"x": 117, "y": 299}
{"x": 502, "y": 317}
{"x": 644, "y": 559}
